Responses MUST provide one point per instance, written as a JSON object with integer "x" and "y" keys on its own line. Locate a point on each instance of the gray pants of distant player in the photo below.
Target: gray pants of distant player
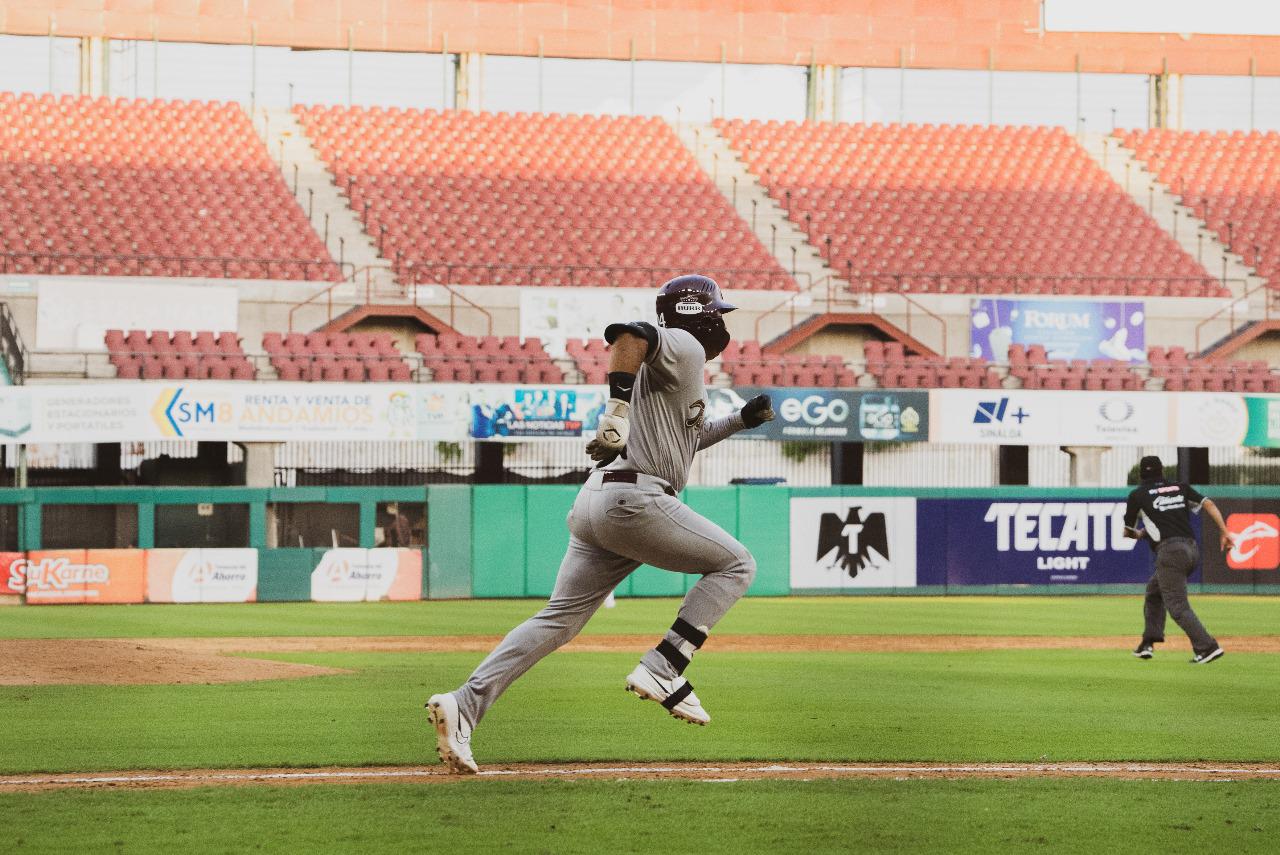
{"x": 614, "y": 528}
{"x": 1167, "y": 591}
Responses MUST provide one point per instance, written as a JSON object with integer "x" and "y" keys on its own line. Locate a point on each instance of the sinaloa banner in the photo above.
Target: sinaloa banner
{"x": 853, "y": 542}
{"x": 1020, "y": 417}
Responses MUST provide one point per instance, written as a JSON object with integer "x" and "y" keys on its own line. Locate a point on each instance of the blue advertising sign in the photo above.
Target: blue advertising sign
{"x": 521, "y": 412}
{"x": 834, "y": 415}
{"x": 1068, "y": 329}
{"x": 1028, "y": 542}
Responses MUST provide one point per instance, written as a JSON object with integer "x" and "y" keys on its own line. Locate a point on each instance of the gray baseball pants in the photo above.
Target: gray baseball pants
{"x": 613, "y": 529}
{"x": 1167, "y": 592}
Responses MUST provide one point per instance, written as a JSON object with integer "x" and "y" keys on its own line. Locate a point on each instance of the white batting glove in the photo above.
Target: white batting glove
{"x": 611, "y": 432}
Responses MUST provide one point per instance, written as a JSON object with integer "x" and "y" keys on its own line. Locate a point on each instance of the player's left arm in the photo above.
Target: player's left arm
{"x": 1226, "y": 539}
{"x": 754, "y": 413}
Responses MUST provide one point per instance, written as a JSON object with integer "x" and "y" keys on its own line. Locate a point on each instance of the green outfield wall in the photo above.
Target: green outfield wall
{"x": 507, "y": 541}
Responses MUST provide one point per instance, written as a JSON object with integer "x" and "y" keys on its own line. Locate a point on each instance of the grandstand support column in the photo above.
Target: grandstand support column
{"x": 1013, "y": 466}
{"x": 822, "y": 96}
{"x": 1086, "y": 464}
{"x": 259, "y": 463}
{"x": 1159, "y": 201}
{"x": 1193, "y": 465}
{"x": 846, "y": 462}
{"x": 316, "y": 188}
{"x": 468, "y": 81}
{"x": 95, "y": 66}
{"x": 758, "y": 209}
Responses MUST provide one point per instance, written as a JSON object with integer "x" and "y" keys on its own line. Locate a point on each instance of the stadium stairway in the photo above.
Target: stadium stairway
{"x": 290, "y": 148}
{"x": 732, "y": 178}
{"x": 1159, "y": 201}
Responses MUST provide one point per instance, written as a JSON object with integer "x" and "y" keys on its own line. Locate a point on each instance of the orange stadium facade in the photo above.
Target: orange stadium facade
{"x": 1004, "y": 35}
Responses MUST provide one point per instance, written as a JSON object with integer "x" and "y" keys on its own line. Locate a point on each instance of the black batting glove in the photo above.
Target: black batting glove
{"x": 757, "y": 411}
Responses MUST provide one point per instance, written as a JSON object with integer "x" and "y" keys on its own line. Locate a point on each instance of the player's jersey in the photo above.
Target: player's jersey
{"x": 667, "y": 408}
{"x": 1165, "y": 509}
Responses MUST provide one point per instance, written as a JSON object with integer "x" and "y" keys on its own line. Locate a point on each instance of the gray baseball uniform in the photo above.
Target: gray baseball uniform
{"x": 615, "y": 526}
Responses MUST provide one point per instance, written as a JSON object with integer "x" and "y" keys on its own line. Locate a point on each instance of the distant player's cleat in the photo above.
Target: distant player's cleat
{"x": 1207, "y": 657}
{"x": 1144, "y": 650}
{"x": 453, "y": 734}
{"x": 676, "y": 696}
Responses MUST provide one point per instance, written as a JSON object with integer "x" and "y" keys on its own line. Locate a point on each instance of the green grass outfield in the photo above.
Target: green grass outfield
{"x": 976, "y": 615}
{"x": 1013, "y": 705}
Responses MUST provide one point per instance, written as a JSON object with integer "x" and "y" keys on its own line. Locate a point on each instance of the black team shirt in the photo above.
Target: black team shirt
{"x": 1164, "y": 508}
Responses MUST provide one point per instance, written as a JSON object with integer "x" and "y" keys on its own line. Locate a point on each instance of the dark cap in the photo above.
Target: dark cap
{"x": 1150, "y": 468}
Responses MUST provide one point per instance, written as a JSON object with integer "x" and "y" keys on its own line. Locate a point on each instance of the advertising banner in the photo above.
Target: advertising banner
{"x": 127, "y": 411}
{"x": 1032, "y": 542}
{"x": 13, "y": 572}
{"x": 1068, "y": 329}
{"x": 1255, "y": 557}
{"x": 839, "y": 415}
{"x": 853, "y": 542}
{"x": 85, "y": 576}
{"x": 202, "y": 575}
{"x": 530, "y": 412}
{"x": 1209, "y": 418}
{"x": 1264, "y": 421}
{"x": 556, "y": 315}
{"x": 1017, "y": 417}
{"x": 354, "y": 575}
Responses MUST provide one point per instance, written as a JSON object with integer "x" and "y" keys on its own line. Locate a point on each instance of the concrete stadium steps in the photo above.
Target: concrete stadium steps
{"x": 1159, "y": 201}
{"x": 290, "y": 148}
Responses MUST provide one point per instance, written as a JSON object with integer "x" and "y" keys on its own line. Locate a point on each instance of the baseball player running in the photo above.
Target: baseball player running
{"x": 628, "y": 514}
{"x": 1165, "y": 509}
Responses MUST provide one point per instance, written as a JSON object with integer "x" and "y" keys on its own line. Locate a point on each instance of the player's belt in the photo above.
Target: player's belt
{"x": 625, "y": 477}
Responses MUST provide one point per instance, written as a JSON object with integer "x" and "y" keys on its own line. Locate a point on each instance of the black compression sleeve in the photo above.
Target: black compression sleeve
{"x": 620, "y": 385}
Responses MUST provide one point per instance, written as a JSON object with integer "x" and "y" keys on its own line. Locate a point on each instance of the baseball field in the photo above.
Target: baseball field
{"x": 960, "y": 724}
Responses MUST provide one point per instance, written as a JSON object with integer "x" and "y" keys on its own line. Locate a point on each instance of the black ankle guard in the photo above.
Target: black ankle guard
{"x": 673, "y": 655}
{"x": 689, "y": 632}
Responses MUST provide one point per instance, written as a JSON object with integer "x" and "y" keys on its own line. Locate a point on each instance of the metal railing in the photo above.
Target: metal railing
{"x": 1032, "y": 284}
{"x": 417, "y": 272}
{"x": 830, "y": 295}
{"x": 75, "y": 264}
{"x": 1237, "y": 314}
{"x": 12, "y": 349}
{"x": 371, "y": 294}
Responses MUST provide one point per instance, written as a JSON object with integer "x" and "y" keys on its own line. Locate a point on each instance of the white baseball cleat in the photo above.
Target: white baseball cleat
{"x": 453, "y": 734}
{"x": 676, "y": 696}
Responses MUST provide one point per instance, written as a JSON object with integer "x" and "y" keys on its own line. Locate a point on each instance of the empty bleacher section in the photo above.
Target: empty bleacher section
{"x": 1184, "y": 374}
{"x": 748, "y": 365}
{"x": 145, "y": 188}
{"x": 1032, "y": 366}
{"x": 964, "y": 209}
{"x": 140, "y": 355}
{"x": 487, "y": 359}
{"x": 1231, "y": 180}
{"x": 893, "y": 368}
{"x": 335, "y": 357}
{"x": 496, "y": 199}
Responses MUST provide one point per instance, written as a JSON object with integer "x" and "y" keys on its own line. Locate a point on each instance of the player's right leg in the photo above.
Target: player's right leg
{"x": 1154, "y": 617}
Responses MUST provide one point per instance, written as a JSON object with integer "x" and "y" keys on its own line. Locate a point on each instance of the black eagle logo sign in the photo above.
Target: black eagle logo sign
{"x": 856, "y": 542}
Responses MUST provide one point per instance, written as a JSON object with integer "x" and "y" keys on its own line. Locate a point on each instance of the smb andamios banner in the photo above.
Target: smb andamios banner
{"x": 122, "y": 411}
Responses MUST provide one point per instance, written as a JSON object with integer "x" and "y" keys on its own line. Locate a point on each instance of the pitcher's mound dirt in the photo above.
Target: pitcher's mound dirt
{"x": 122, "y": 661}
